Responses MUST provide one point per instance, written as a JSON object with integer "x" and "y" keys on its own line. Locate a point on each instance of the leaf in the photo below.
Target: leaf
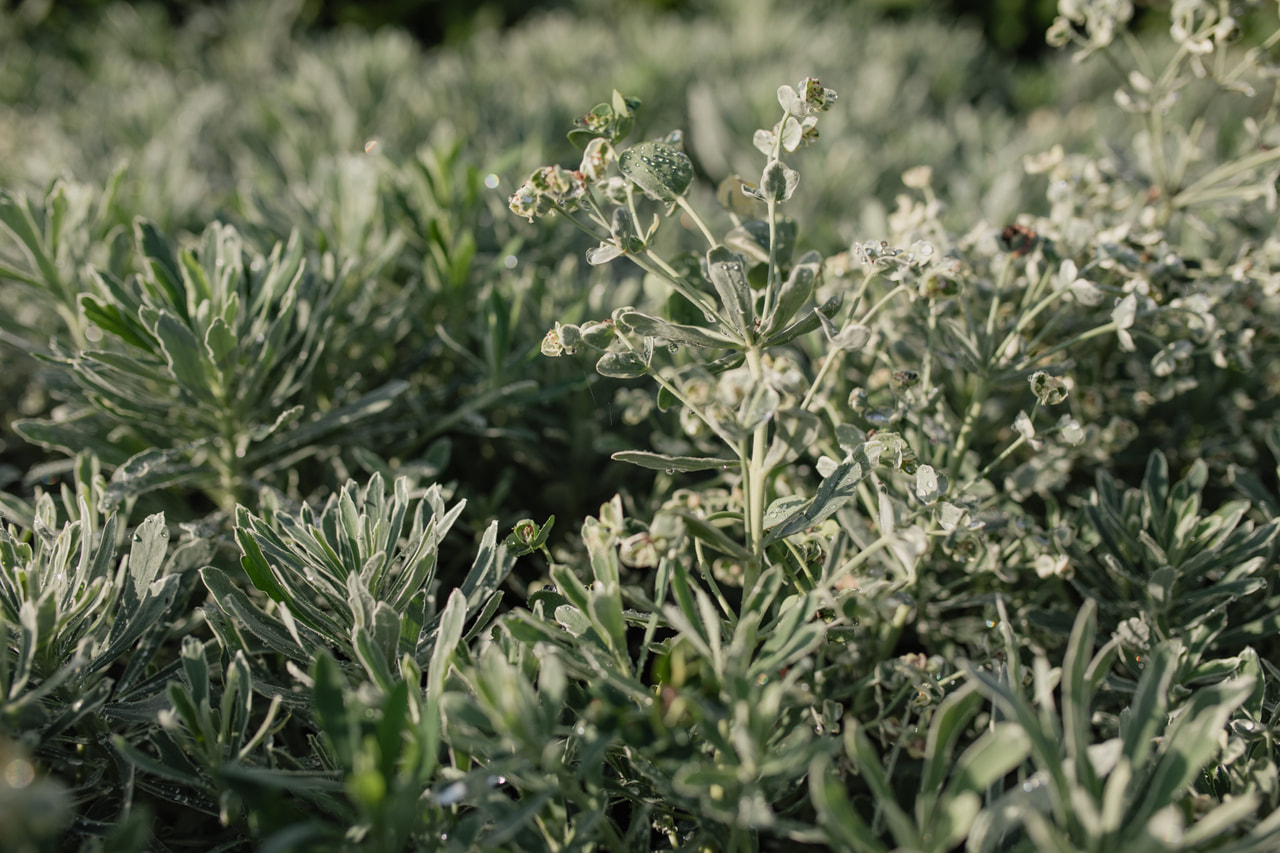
{"x": 807, "y": 323}
{"x": 834, "y": 490}
{"x": 728, "y": 275}
{"x": 183, "y": 351}
{"x": 778, "y": 181}
{"x": 622, "y": 365}
{"x": 711, "y": 534}
{"x": 859, "y": 747}
{"x": 1192, "y": 740}
{"x": 662, "y": 462}
{"x": 795, "y": 291}
{"x": 150, "y": 541}
{"x": 445, "y": 647}
{"x": 663, "y": 171}
{"x": 603, "y": 253}
{"x": 836, "y": 814}
{"x": 795, "y": 431}
{"x": 151, "y": 470}
{"x": 677, "y": 333}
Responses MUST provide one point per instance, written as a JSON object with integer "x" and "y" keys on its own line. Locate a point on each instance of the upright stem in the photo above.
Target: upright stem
{"x": 756, "y": 475}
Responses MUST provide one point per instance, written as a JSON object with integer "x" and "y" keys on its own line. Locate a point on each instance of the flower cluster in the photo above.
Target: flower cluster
{"x": 549, "y": 188}
{"x": 799, "y": 124}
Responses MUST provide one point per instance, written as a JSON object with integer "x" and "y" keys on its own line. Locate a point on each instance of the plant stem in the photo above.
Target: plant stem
{"x": 754, "y": 481}
{"x": 697, "y": 220}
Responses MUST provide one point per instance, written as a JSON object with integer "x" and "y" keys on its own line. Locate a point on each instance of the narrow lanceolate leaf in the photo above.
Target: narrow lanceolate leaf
{"x": 844, "y": 827}
{"x": 184, "y": 353}
{"x": 834, "y": 490}
{"x": 795, "y": 291}
{"x": 662, "y": 462}
{"x": 677, "y": 333}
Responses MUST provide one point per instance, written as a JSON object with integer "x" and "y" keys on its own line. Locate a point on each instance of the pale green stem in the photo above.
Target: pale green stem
{"x": 827, "y": 364}
{"x": 697, "y": 220}
{"x": 709, "y": 577}
{"x": 1106, "y": 328}
{"x": 966, "y": 429}
{"x": 772, "y": 280}
{"x": 884, "y": 300}
{"x": 1017, "y": 442}
{"x": 853, "y": 563}
{"x": 754, "y": 482}
{"x": 656, "y": 265}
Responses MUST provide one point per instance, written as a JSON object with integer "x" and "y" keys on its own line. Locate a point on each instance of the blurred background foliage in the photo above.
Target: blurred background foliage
{"x": 1013, "y": 27}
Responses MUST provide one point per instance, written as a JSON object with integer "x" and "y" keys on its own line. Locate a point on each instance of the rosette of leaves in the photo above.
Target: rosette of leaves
{"x": 85, "y": 634}
{"x": 356, "y": 579}
{"x": 1162, "y": 568}
{"x": 1138, "y": 774}
{"x": 333, "y": 655}
{"x": 202, "y": 374}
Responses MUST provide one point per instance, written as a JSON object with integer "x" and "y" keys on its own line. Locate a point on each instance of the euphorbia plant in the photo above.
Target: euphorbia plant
{"x": 753, "y": 296}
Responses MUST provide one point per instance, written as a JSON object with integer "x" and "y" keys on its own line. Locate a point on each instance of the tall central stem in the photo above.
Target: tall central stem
{"x": 756, "y": 474}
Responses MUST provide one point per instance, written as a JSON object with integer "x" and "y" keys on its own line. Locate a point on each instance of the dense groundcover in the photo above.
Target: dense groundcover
{"x": 761, "y": 426}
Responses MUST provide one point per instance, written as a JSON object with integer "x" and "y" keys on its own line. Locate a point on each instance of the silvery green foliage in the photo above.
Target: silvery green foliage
{"x": 356, "y": 578}
{"x": 191, "y": 370}
{"x": 895, "y": 485}
{"x": 961, "y": 375}
{"x": 353, "y": 628}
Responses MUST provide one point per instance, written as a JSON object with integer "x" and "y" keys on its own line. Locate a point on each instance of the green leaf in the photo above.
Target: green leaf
{"x": 949, "y": 720}
{"x": 662, "y": 462}
{"x": 1191, "y": 741}
{"x": 163, "y": 269}
{"x": 663, "y": 171}
{"x": 150, "y": 470}
{"x": 677, "y": 333}
{"x": 448, "y": 636}
{"x": 622, "y": 365}
{"x": 844, "y": 827}
{"x": 708, "y": 532}
{"x": 727, "y": 270}
{"x": 778, "y": 181}
{"x": 992, "y": 756}
{"x": 795, "y": 291}
{"x": 183, "y": 352}
{"x": 808, "y": 322}
{"x": 859, "y": 747}
{"x": 833, "y": 492}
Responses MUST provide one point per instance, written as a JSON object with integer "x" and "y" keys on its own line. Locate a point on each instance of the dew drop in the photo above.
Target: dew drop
{"x": 510, "y": 262}
{"x": 491, "y": 181}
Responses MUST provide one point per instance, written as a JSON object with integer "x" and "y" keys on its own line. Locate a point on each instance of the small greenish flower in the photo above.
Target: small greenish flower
{"x": 1049, "y": 390}
{"x": 552, "y": 345}
{"x": 596, "y": 158}
{"x": 528, "y": 536}
{"x": 815, "y": 96}
{"x": 528, "y": 202}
